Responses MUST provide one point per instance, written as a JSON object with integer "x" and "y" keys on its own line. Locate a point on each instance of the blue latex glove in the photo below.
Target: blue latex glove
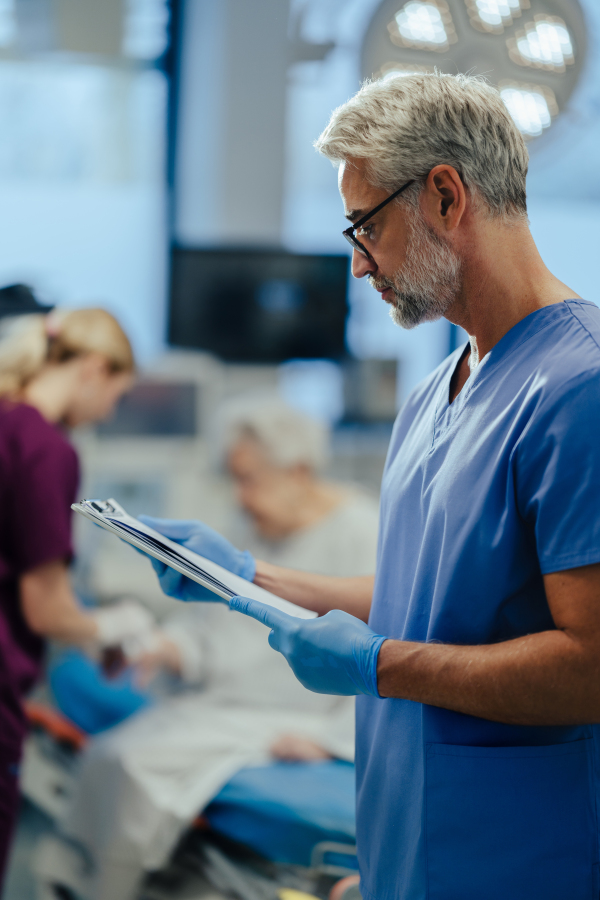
{"x": 207, "y": 542}
{"x": 334, "y": 654}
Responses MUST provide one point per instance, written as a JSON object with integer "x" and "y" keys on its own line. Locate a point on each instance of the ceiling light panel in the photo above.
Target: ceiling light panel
{"x": 494, "y": 16}
{"x": 543, "y": 49}
{"x": 424, "y": 25}
{"x": 544, "y": 43}
{"x": 531, "y": 106}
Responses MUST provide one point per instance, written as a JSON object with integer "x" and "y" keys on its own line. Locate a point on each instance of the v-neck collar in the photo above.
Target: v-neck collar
{"x": 446, "y": 413}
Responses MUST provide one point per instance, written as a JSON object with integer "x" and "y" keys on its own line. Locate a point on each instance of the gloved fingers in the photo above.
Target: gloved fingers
{"x": 176, "y": 529}
{"x": 274, "y": 640}
{"x": 139, "y": 550}
{"x": 171, "y": 582}
{"x": 268, "y": 615}
{"x": 158, "y": 566}
{"x": 175, "y": 585}
{"x": 203, "y": 539}
{"x": 198, "y": 593}
{"x": 191, "y": 591}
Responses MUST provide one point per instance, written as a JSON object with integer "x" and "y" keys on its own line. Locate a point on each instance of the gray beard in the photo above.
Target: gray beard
{"x": 428, "y": 282}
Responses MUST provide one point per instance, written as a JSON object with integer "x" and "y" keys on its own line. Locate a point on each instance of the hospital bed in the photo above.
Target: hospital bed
{"x": 272, "y": 829}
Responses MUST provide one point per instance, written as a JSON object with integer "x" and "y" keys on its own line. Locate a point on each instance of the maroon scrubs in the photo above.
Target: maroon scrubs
{"x": 39, "y": 473}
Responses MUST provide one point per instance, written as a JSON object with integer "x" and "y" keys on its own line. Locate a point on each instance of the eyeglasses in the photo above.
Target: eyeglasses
{"x": 349, "y": 232}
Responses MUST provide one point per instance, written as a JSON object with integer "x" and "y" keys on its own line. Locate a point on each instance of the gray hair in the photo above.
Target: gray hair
{"x": 287, "y": 436}
{"x": 405, "y": 126}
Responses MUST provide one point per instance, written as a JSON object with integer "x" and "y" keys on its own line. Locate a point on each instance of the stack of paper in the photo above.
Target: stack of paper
{"x": 108, "y": 514}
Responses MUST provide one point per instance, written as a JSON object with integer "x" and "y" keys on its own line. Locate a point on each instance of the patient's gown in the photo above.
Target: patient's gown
{"x": 144, "y": 781}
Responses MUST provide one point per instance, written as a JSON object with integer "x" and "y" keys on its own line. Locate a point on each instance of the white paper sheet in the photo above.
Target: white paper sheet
{"x": 108, "y": 514}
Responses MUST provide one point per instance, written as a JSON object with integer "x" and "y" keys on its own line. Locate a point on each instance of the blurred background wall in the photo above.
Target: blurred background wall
{"x": 156, "y": 157}
{"x": 90, "y": 200}
{"x": 82, "y": 137}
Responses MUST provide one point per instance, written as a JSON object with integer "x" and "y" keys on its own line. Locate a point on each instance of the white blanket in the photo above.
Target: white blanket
{"x": 143, "y": 782}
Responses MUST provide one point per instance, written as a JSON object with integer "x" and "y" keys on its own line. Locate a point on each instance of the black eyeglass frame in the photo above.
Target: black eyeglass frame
{"x": 349, "y": 232}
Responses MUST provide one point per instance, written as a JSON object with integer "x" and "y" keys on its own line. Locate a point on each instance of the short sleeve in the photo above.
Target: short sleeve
{"x": 557, "y": 476}
{"x": 46, "y": 478}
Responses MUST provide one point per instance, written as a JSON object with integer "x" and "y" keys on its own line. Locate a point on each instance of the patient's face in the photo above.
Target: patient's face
{"x": 270, "y": 494}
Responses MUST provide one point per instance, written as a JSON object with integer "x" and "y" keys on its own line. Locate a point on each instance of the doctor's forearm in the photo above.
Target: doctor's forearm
{"x": 540, "y": 679}
{"x": 321, "y": 593}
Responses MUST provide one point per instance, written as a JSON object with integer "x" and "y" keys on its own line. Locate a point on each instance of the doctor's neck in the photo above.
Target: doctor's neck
{"x": 503, "y": 280}
{"x": 445, "y": 254}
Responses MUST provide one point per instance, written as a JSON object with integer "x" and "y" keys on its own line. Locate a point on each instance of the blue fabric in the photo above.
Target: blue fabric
{"x": 283, "y": 809}
{"x": 480, "y": 498}
{"x": 88, "y": 698}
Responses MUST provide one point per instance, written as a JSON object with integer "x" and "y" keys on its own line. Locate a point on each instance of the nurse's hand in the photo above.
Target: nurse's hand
{"x": 207, "y": 542}
{"x": 121, "y": 622}
{"x": 334, "y": 654}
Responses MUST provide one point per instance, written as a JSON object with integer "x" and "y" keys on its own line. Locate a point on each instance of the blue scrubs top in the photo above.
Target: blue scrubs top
{"x": 480, "y": 498}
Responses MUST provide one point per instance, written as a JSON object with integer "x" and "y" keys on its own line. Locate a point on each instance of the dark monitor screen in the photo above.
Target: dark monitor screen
{"x": 257, "y": 305}
{"x": 154, "y": 408}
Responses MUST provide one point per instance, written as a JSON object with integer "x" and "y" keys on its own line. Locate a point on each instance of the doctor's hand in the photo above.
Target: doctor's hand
{"x": 334, "y": 654}
{"x": 207, "y": 542}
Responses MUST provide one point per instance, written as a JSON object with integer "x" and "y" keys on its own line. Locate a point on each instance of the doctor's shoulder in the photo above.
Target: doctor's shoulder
{"x": 571, "y": 365}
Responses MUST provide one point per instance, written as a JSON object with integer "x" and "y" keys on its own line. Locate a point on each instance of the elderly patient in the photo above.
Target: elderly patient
{"x": 144, "y": 781}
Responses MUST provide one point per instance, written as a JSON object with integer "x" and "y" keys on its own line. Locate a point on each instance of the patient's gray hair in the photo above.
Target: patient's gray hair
{"x": 405, "y": 126}
{"x": 288, "y": 437}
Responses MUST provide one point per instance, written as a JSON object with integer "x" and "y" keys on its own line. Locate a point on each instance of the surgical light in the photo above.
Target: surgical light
{"x": 494, "y": 15}
{"x": 544, "y": 43}
{"x": 532, "y": 107}
{"x": 533, "y": 44}
{"x": 424, "y": 24}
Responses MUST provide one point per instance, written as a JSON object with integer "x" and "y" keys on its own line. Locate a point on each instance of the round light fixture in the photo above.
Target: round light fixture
{"x": 426, "y": 24}
{"x": 532, "y": 50}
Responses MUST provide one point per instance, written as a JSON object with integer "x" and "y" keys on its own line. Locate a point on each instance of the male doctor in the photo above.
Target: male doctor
{"x": 479, "y": 668}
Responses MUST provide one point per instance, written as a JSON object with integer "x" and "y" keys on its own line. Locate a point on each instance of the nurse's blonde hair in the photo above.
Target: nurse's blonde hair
{"x": 28, "y": 343}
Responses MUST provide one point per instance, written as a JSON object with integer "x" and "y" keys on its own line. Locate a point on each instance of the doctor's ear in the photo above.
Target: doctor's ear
{"x": 444, "y": 198}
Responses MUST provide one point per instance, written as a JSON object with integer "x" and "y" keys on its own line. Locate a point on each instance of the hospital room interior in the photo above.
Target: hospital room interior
{"x": 157, "y": 163}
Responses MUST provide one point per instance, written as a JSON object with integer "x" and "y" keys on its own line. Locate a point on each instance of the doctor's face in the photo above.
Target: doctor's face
{"x": 415, "y": 270}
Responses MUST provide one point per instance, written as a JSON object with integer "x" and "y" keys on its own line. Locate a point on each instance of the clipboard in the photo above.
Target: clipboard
{"x": 108, "y": 514}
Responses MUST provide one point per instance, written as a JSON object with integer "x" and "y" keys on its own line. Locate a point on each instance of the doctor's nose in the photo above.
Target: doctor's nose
{"x": 362, "y": 265}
